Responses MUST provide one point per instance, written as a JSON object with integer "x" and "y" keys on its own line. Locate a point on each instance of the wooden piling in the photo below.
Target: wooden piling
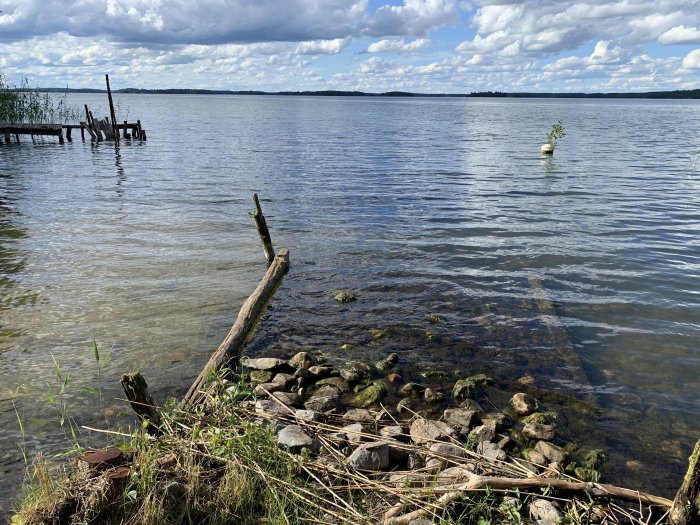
{"x": 115, "y": 131}
{"x": 141, "y": 401}
{"x": 264, "y": 233}
{"x": 686, "y": 506}
{"x": 229, "y": 352}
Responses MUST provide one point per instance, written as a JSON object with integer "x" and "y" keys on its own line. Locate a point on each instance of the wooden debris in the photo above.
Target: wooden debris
{"x": 142, "y": 403}
{"x": 264, "y": 233}
{"x": 686, "y": 505}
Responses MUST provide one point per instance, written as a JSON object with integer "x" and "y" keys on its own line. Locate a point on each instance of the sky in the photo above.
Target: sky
{"x": 425, "y": 46}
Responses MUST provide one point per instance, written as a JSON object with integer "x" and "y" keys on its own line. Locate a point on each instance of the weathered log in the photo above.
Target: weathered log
{"x": 141, "y": 402}
{"x": 115, "y": 131}
{"x": 264, "y": 233}
{"x": 477, "y": 483}
{"x": 686, "y": 506}
{"x": 230, "y": 350}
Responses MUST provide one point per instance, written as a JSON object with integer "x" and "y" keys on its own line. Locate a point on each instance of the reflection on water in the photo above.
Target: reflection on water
{"x": 580, "y": 270}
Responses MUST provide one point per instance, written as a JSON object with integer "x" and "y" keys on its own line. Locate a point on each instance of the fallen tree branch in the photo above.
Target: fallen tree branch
{"x": 232, "y": 346}
{"x": 477, "y": 483}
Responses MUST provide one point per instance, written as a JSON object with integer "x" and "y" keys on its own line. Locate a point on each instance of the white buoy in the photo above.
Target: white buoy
{"x": 547, "y": 149}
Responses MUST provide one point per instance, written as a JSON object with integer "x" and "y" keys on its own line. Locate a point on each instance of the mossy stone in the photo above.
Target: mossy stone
{"x": 438, "y": 375}
{"x": 388, "y": 362}
{"x": 369, "y": 396}
{"x": 261, "y": 376}
{"x": 463, "y": 389}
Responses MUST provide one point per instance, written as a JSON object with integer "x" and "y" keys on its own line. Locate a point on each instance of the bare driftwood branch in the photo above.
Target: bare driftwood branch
{"x": 477, "y": 483}
{"x": 686, "y": 505}
{"x": 263, "y": 231}
{"x": 232, "y": 346}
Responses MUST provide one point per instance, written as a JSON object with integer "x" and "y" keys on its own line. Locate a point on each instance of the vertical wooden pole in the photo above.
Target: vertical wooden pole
{"x": 82, "y": 132}
{"x": 126, "y": 130}
{"x": 115, "y": 131}
{"x": 686, "y": 506}
{"x": 138, "y": 127}
{"x": 264, "y": 233}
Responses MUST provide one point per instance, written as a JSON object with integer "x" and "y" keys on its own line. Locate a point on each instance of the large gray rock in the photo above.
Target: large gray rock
{"x": 425, "y": 431}
{"x": 293, "y": 438}
{"x": 285, "y": 380}
{"x": 355, "y": 371}
{"x": 447, "y": 450}
{"x": 393, "y": 432}
{"x": 263, "y": 363}
{"x": 552, "y": 452}
{"x": 361, "y": 415}
{"x": 340, "y": 384}
{"x": 411, "y": 389}
{"x": 268, "y": 407}
{"x": 491, "y": 450}
{"x": 309, "y": 416}
{"x": 288, "y": 399}
{"x": 323, "y": 403}
{"x": 537, "y": 431}
{"x": 265, "y": 389}
{"x": 354, "y": 433}
{"x": 320, "y": 371}
{"x": 545, "y": 512}
{"x": 461, "y": 419}
{"x": 371, "y": 457}
{"x": 522, "y": 404}
{"x": 482, "y": 433}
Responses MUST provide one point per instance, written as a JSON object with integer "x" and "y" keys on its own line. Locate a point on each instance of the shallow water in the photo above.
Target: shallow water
{"x": 418, "y": 206}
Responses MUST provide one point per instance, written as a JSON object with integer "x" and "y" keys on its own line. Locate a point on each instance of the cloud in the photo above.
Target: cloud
{"x": 692, "y": 60}
{"x": 680, "y": 35}
{"x": 413, "y": 18}
{"x": 322, "y": 47}
{"x": 398, "y": 46}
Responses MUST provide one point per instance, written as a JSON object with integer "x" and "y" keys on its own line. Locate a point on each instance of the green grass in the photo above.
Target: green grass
{"x": 24, "y": 104}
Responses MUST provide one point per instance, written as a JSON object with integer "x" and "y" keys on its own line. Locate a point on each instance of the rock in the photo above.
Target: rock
{"x": 470, "y": 404}
{"x": 504, "y": 442}
{"x": 393, "y": 432}
{"x": 323, "y": 403}
{"x": 268, "y": 407}
{"x": 552, "y": 452}
{"x": 371, "y": 395}
{"x": 535, "y": 457}
{"x": 434, "y": 464}
{"x": 542, "y": 418}
{"x": 398, "y": 453}
{"x": 425, "y": 431}
{"x": 482, "y": 433}
{"x": 302, "y": 360}
{"x": 436, "y": 375}
{"x": 320, "y": 371}
{"x": 288, "y": 399}
{"x": 523, "y": 405}
{"x": 354, "y": 433}
{"x": 388, "y": 362}
{"x": 447, "y": 450}
{"x": 463, "y": 389}
{"x": 340, "y": 384}
{"x": 461, "y": 419}
{"x": 421, "y": 521}
{"x": 498, "y": 420}
{"x": 547, "y": 149}
{"x": 433, "y": 397}
{"x": 263, "y": 363}
{"x": 306, "y": 415}
{"x": 293, "y": 438}
{"x": 510, "y": 504}
{"x": 286, "y": 380}
{"x": 355, "y": 371}
{"x": 453, "y": 475}
{"x": 407, "y": 406}
{"x": 394, "y": 378}
{"x": 481, "y": 380}
{"x": 411, "y": 390}
{"x": 491, "y": 450}
{"x": 358, "y": 414}
{"x": 345, "y": 297}
{"x": 536, "y": 431}
{"x": 371, "y": 457}
{"x": 265, "y": 389}
{"x": 261, "y": 376}
{"x": 414, "y": 461}
{"x": 545, "y": 512}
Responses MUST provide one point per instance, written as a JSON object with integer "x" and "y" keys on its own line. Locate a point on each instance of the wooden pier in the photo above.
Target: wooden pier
{"x": 98, "y": 129}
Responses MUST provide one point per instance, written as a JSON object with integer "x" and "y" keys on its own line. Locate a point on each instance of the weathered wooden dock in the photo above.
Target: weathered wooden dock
{"x": 98, "y": 129}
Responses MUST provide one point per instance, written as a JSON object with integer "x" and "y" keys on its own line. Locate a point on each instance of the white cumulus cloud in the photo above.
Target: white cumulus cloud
{"x": 680, "y": 35}
{"x": 398, "y": 46}
{"x": 692, "y": 60}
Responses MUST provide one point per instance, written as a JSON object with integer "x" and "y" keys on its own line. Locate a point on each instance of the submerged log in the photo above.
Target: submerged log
{"x": 686, "y": 505}
{"x": 230, "y": 350}
{"x": 141, "y": 402}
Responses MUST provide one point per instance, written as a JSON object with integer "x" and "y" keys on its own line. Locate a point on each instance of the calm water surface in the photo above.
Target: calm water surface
{"x": 418, "y": 206}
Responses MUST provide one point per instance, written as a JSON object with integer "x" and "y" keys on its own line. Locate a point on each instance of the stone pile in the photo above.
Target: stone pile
{"x": 337, "y": 415}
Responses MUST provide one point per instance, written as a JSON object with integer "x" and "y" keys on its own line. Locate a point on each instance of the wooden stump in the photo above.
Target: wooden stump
{"x": 686, "y": 506}
{"x": 139, "y": 397}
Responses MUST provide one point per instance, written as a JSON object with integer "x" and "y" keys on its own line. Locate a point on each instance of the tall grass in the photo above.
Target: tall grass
{"x": 28, "y": 105}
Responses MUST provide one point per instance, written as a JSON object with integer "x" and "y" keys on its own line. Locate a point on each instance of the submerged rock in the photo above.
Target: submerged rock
{"x": 523, "y": 405}
{"x": 388, "y": 362}
{"x": 369, "y": 396}
{"x": 345, "y": 297}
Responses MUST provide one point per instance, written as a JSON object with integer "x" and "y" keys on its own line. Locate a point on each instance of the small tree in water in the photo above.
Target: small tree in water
{"x": 556, "y": 133}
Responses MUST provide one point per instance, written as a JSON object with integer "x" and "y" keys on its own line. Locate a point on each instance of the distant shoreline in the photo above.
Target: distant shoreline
{"x": 678, "y": 94}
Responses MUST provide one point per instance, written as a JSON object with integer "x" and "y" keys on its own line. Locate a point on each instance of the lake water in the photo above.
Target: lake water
{"x": 581, "y": 271}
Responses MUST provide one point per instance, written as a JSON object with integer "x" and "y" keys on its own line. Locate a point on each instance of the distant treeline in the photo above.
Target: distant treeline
{"x": 679, "y": 94}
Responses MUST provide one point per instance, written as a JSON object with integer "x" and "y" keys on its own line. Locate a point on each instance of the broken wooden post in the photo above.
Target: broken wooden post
{"x": 141, "y": 402}
{"x": 686, "y": 506}
{"x": 264, "y": 233}
{"x": 115, "y": 131}
{"x": 230, "y": 350}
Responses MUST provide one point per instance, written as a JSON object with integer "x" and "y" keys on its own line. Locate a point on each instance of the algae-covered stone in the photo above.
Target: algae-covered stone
{"x": 302, "y": 360}
{"x": 377, "y": 334}
{"x": 499, "y": 420}
{"x": 463, "y": 389}
{"x": 263, "y": 363}
{"x": 541, "y": 418}
{"x": 345, "y": 297}
{"x": 411, "y": 389}
{"x": 355, "y": 371}
{"x": 536, "y": 431}
{"x": 552, "y": 452}
{"x": 388, "y": 362}
{"x": 371, "y": 395}
{"x": 433, "y": 397}
{"x": 261, "y": 376}
{"x": 340, "y": 384}
{"x": 481, "y": 380}
{"x": 435, "y": 375}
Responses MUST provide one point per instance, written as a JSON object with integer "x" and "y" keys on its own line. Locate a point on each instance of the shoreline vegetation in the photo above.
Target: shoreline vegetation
{"x": 677, "y": 94}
